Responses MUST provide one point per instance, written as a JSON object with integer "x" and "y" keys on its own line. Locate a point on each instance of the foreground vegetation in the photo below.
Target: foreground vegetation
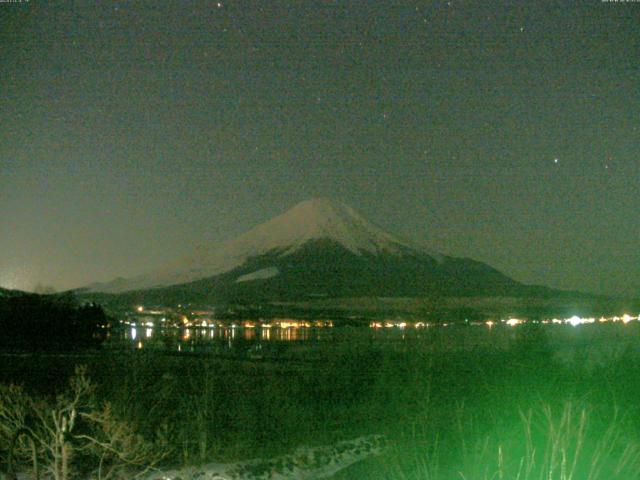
{"x": 472, "y": 413}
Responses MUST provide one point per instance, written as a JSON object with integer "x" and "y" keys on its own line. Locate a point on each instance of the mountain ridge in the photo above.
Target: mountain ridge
{"x": 319, "y": 248}
{"x": 318, "y": 218}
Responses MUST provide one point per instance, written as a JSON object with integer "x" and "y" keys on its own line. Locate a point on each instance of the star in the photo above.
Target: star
{"x": 555, "y": 160}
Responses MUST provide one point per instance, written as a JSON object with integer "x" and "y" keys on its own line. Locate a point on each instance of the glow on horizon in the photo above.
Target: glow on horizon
{"x": 17, "y": 278}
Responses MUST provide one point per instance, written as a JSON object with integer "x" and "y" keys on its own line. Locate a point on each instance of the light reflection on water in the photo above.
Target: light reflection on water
{"x": 270, "y": 341}
{"x": 224, "y": 334}
{"x": 221, "y": 339}
{"x": 265, "y": 341}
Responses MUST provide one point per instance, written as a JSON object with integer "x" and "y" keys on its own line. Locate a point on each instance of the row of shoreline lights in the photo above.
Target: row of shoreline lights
{"x": 277, "y": 323}
{"x": 512, "y": 322}
{"x": 574, "y": 320}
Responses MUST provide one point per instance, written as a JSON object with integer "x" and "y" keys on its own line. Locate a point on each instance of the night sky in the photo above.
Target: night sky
{"x": 508, "y": 132}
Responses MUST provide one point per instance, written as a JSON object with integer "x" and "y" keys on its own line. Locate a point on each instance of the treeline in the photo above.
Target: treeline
{"x": 32, "y": 322}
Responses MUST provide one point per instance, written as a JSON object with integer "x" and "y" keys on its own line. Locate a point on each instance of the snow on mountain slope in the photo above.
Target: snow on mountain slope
{"x": 312, "y": 220}
{"x": 316, "y": 219}
{"x": 261, "y": 274}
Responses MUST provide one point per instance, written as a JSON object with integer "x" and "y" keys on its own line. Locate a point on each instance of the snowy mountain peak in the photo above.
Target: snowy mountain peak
{"x": 321, "y": 219}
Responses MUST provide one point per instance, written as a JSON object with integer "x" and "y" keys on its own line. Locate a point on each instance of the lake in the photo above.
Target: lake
{"x": 595, "y": 343}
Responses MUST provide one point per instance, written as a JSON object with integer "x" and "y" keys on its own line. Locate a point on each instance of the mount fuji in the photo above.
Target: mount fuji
{"x": 319, "y": 248}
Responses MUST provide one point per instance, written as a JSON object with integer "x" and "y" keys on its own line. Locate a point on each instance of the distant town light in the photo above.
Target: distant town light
{"x": 575, "y": 321}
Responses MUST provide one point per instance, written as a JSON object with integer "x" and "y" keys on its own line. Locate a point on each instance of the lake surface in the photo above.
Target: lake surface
{"x": 589, "y": 343}
{"x": 253, "y": 340}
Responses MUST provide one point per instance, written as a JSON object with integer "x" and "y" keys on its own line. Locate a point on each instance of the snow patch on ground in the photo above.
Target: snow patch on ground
{"x": 262, "y": 274}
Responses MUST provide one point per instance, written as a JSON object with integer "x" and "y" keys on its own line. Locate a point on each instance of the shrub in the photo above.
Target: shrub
{"x": 72, "y": 434}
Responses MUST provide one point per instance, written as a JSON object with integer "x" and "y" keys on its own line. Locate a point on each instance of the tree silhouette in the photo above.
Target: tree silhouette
{"x": 33, "y": 322}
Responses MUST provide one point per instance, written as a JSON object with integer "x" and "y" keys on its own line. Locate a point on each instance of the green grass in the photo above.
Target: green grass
{"x": 477, "y": 412}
